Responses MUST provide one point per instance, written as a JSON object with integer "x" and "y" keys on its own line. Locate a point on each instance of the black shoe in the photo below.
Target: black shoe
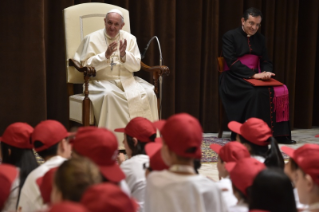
{"x": 284, "y": 140}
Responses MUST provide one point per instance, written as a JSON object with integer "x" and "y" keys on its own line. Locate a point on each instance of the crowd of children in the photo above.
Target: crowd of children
{"x": 84, "y": 171}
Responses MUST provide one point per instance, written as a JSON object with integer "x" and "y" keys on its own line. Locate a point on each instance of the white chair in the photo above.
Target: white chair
{"x": 79, "y": 21}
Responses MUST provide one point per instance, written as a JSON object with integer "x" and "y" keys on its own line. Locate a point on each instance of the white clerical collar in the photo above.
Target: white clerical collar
{"x": 245, "y": 32}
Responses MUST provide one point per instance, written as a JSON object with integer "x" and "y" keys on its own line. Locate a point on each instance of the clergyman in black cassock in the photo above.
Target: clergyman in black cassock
{"x": 241, "y": 99}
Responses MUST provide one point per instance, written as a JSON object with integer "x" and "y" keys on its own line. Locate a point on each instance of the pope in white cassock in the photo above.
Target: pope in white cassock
{"x": 117, "y": 96}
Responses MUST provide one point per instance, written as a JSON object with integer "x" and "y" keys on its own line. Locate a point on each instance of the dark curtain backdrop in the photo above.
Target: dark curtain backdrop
{"x": 33, "y": 78}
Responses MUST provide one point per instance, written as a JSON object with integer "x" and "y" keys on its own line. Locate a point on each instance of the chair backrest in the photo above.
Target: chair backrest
{"x": 81, "y": 20}
{"x": 220, "y": 63}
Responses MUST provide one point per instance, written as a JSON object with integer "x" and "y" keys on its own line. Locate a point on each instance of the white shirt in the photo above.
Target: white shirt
{"x": 225, "y": 186}
{"x": 11, "y": 203}
{"x": 171, "y": 192}
{"x": 135, "y": 177}
{"x": 124, "y": 187}
{"x": 259, "y": 158}
{"x": 30, "y": 197}
{"x": 298, "y": 204}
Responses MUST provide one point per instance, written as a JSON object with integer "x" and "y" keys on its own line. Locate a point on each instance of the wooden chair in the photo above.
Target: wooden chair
{"x": 79, "y": 21}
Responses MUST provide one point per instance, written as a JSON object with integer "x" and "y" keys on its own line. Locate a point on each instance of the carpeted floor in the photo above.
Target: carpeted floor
{"x": 209, "y": 155}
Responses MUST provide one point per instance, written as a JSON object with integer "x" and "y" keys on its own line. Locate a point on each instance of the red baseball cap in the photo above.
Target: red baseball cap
{"x": 45, "y": 184}
{"x": 243, "y": 172}
{"x": 307, "y": 158}
{"x": 140, "y": 128}
{"x": 100, "y": 145}
{"x": 68, "y": 206}
{"x": 231, "y": 152}
{"x": 49, "y": 132}
{"x": 8, "y": 174}
{"x": 182, "y": 133}
{"x": 18, "y": 135}
{"x": 254, "y": 130}
{"x": 107, "y": 197}
{"x": 153, "y": 150}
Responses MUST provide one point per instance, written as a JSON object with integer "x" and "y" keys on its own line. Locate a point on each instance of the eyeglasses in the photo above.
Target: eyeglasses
{"x": 254, "y": 24}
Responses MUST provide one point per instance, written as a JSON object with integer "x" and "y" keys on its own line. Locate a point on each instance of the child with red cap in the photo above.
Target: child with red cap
{"x": 17, "y": 150}
{"x": 72, "y": 178}
{"x": 180, "y": 188}
{"x": 242, "y": 174}
{"x": 231, "y": 152}
{"x": 49, "y": 139}
{"x": 100, "y": 146}
{"x": 9, "y": 175}
{"x": 68, "y": 181}
{"x": 256, "y": 135}
{"x": 272, "y": 190}
{"x": 305, "y": 164}
{"x": 137, "y": 133}
{"x": 290, "y": 171}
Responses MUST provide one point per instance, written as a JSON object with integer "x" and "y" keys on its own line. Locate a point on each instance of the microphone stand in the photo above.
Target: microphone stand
{"x": 161, "y": 63}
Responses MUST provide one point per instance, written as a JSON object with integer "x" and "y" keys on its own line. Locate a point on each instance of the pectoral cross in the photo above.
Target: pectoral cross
{"x": 112, "y": 64}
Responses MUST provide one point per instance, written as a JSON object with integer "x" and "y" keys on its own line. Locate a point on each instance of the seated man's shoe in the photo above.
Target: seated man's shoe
{"x": 284, "y": 140}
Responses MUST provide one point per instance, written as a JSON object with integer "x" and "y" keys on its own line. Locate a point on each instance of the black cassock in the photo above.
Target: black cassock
{"x": 242, "y": 100}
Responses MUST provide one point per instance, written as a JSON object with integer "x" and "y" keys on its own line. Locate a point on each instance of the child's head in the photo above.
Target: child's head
{"x": 16, "y": 145}
{"x": 242, "y": 174}
{"x": 99, "y": 145}
{"x": 18, "y": 135}
{"x": 256, "y": 135}
{"x": 272, "y": 190}
{"x": 17, "y": 149}
{"x": 231, "y": 152}
{"x": 138, "y": 132}
{"x": 305, "y": 162}
{"x": 50, "y": 138}
{"x": 8, "y": 175}
{"x": 253, "y": 130}
{"x": 72, "y": 178}
{"x": 107, "y": 197}
{"x": 182, "y": 139}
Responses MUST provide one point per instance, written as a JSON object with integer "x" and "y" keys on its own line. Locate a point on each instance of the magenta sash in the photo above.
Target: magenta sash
{"x": 281, "y": 94}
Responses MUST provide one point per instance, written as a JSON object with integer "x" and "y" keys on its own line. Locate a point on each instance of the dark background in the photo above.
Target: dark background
{"x": 33, "y": 77}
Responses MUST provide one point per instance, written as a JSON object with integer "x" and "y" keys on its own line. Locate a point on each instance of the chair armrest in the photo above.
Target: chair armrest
{"x": 156, "y": 71}
{"x": 87, "y": 70}
{"x": 160, "y": 70}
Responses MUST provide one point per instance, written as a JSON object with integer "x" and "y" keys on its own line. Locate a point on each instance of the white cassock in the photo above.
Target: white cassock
{"x": 117, "y": 96}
